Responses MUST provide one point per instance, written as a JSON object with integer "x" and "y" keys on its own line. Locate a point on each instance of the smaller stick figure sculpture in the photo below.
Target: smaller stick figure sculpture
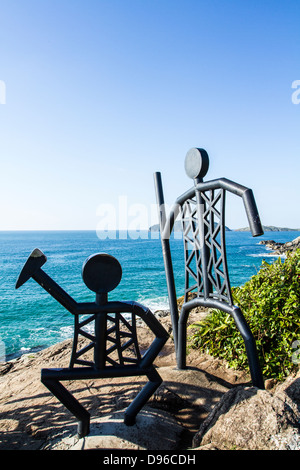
{"x": 114, "y": 342}
{"x": 202, "y": 210}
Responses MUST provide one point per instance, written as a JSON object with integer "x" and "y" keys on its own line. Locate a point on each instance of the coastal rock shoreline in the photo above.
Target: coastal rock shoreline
{"x": 281, "y": 248}
{"x": 208, "y": 406}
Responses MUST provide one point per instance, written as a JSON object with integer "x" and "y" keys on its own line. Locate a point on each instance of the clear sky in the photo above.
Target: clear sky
{"x": 97, "y": 95}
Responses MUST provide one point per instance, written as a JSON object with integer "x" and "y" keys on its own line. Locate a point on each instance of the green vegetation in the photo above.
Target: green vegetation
{"x": 270, "y": 302}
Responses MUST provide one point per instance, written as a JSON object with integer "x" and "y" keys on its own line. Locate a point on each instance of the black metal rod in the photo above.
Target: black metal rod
{"x": 55, "y": 290}
{"x": 166, "y": 251}
{"x": 82, "y": 373}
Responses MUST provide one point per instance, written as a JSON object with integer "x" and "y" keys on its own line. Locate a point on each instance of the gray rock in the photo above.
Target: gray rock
{"x": 282, "y": 248}
{"x": 251, "y": 419}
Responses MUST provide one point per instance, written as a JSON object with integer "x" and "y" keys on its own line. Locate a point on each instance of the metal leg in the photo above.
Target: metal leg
{"x": 51, "y": 379}
{"x": 141, "y": 399}
{"x": 242, "y": 326}
{"x": 67, "y": 399}
{"x": 254, "y": 366}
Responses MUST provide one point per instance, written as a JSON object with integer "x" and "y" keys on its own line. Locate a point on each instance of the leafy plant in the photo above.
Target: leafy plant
{"x": 270, "y": 302}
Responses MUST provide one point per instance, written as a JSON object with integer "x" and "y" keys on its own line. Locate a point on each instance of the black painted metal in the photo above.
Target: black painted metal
{"x": 207, "y": 283}
{"x": 114, "y": 341}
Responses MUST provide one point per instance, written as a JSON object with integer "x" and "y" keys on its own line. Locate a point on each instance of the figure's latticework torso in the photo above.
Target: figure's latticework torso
{"x": 206, "y": 274}
{"x": 118, "y": 342}
{"x": 122, "y": 340}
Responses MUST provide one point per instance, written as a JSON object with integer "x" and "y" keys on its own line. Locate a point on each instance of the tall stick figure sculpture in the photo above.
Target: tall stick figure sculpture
{"x": 114, "y": 341}
{"x": 202, "y": 210}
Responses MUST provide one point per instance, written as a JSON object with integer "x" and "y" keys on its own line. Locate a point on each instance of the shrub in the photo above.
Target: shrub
{"x": 270, "y": 302}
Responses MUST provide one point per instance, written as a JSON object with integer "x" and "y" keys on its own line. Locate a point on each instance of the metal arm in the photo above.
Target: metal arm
{"x": 32, "y": 269}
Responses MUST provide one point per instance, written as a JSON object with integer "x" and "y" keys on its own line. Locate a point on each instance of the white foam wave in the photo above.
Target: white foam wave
{"x": 266, "y": 255}
{"x": 66, "y": 331}
{"x": 155, "y": 304}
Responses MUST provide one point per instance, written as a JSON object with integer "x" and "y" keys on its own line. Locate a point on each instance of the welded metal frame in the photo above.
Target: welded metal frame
{"x": 202, "y": 212}
{"x": 114, "y": 331}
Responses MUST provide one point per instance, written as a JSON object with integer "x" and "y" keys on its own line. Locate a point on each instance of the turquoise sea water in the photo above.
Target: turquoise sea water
{"x": 30, "y": 319}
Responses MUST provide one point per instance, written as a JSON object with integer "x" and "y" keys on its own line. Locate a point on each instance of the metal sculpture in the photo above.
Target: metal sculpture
{"x": 202, "y": 210}
{"x": 114, "y": 343}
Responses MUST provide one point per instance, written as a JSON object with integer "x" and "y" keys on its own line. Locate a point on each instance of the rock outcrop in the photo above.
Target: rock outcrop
{"x": 282, "y": 248}
{"x": 250, "y": 419}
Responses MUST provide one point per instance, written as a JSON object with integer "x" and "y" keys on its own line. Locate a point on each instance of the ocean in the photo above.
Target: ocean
{"x": 30, "y": 319}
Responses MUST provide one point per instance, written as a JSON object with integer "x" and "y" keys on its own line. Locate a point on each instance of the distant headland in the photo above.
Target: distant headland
{"x": 270, "y": 228}
{"x": 266, "y": 228}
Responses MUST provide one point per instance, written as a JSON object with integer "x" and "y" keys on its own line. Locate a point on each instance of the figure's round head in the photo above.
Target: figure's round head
{"x": 101, "y": 273}
{"x": 196, "y": 163}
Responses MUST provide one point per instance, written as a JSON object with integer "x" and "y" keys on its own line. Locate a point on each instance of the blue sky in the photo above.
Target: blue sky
{"x": 100, "y": 94}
